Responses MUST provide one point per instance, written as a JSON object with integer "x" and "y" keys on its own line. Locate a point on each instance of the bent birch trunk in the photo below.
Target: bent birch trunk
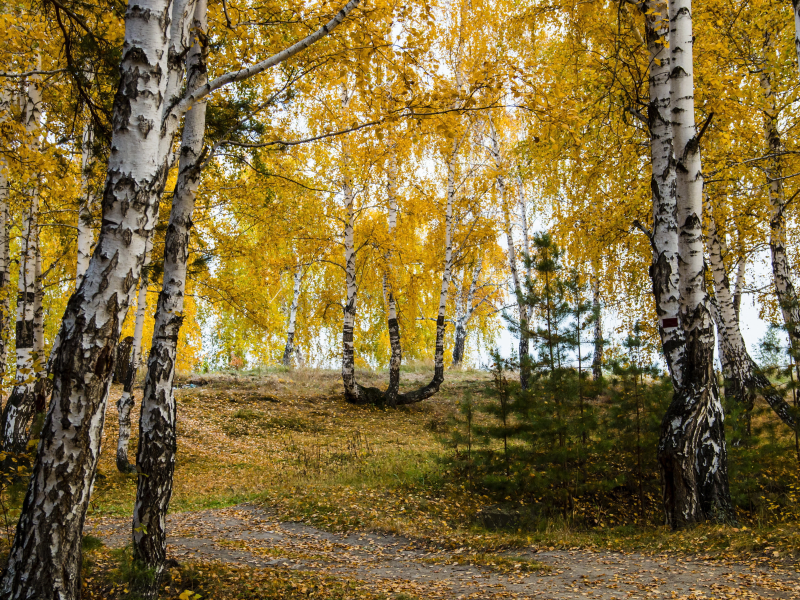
{"x": 742, "y": 376}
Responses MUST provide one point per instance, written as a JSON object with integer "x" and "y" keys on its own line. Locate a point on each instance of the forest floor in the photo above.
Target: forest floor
{"x": 284, "y": 491}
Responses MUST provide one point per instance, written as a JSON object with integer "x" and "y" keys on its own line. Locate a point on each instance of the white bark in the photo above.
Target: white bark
{"x": 44, "y": 560}
{"x": 260, "y": 67}
{"x": 88, "y": 199}
{"x": 796, "y": 11}
{"x": 5, "y": 263}
{"x": 388, "y": 292}
{"x": 524, "y": 344}
{"x": 126, "y": 401}
{"x": 19, "y": 409}
{"x": 155, "y": 458}
{"x": 664, "y": 238}
{"x": 288, "y": 351}
{"x": 781, "y": 268}
{"x": 597, "y": 357}
{"x": 465, "y": 308}
{"x": 742, "y": 375}
{"x": 692, "y": 449}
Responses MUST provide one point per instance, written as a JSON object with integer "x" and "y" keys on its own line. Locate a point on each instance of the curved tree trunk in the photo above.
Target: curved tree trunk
{"x": 126, "y": 400}
{"x": 289, "y": 350}
{"x": 743, "y": 378}
{"x": 45, "y": 558}
{"x": 691, "y": 450}
{"x": 396, "y": 358}
{"x": 155, "y": 458}
{"x": 435, "y": 383}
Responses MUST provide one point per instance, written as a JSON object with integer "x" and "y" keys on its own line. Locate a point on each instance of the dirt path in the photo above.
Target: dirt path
{"x": 249, "y": 535}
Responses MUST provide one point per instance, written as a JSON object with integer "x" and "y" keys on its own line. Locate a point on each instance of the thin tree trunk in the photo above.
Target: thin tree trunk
{"x": 45, "y": 558}
{"x": 288, "y": 351}
{"x": 88, "y": 198}
{"x": 5, "y": 263}
{"x": 390, "y": 397}
{"x": 692, "y": 450}
{"x": 796, "y": 11}
{"x": 599, "y": 342}
{"x": 435, "y": 383}
{"x": 126, "y": 400}
{"x": 155, "y": 458}
{"x": 19, "y": 410}
{"x": 742, "y": 376}
{"x": 465, "y": 314}
{"x": 781, "y": 269}
{"x": 524, "y": 344}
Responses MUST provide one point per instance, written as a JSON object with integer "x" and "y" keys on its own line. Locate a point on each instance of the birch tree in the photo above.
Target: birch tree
{"x": 692, "y": 450}
{"x": 155, "y": 458}
{"x": 20, "y": 407}
{"x": 465, "y": 308}
{"x": 45, "y": 556}
{"x": 743, "y": 378}
{"x": 126, "y": 400}
{"x": 290, "y": 350}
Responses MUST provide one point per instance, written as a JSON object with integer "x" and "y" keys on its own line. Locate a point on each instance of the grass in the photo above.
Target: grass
{"x": 287, "y": 439}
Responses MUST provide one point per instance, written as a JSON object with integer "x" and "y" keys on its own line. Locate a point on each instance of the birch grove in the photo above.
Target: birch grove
{"x": 363, "y": 187}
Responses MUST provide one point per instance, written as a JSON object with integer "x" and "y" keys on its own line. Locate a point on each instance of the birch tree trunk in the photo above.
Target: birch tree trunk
{"x": 435, "y": 383}
{"x": 155, "y": 458}
{"x": 692, "y": 450}
{"x": 19, "y": 410}
{"x": 288, "y": 351}
{"x": 464, "y": 314}
{"x": 599, "y": 342}
{"x": 396, "y": 358}
{"x": 126, "y": 400}
{"x": 781, "y": 269}
{"x": 45, "y": 558}
{"x": 524, "y": 345}
{"x": 5, "y": 263}
{"x": 742, "y": 376}
{"x": 88, "y": 197}
{"x": 664, "y": 237}
{"x": 796, "y": 11}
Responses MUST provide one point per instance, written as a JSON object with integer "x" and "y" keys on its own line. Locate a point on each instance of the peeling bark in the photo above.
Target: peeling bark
{"x": 743, "y": 378}
{"x": 691, "y": 451}
{"x": 5, "y": 263}
{"x": 5, "y": 272}
{"x": 45, "y": 558}
{"x": 21, "y": 406}
{"x": 289, "y": 350}
{"x": 155, "y": 458}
